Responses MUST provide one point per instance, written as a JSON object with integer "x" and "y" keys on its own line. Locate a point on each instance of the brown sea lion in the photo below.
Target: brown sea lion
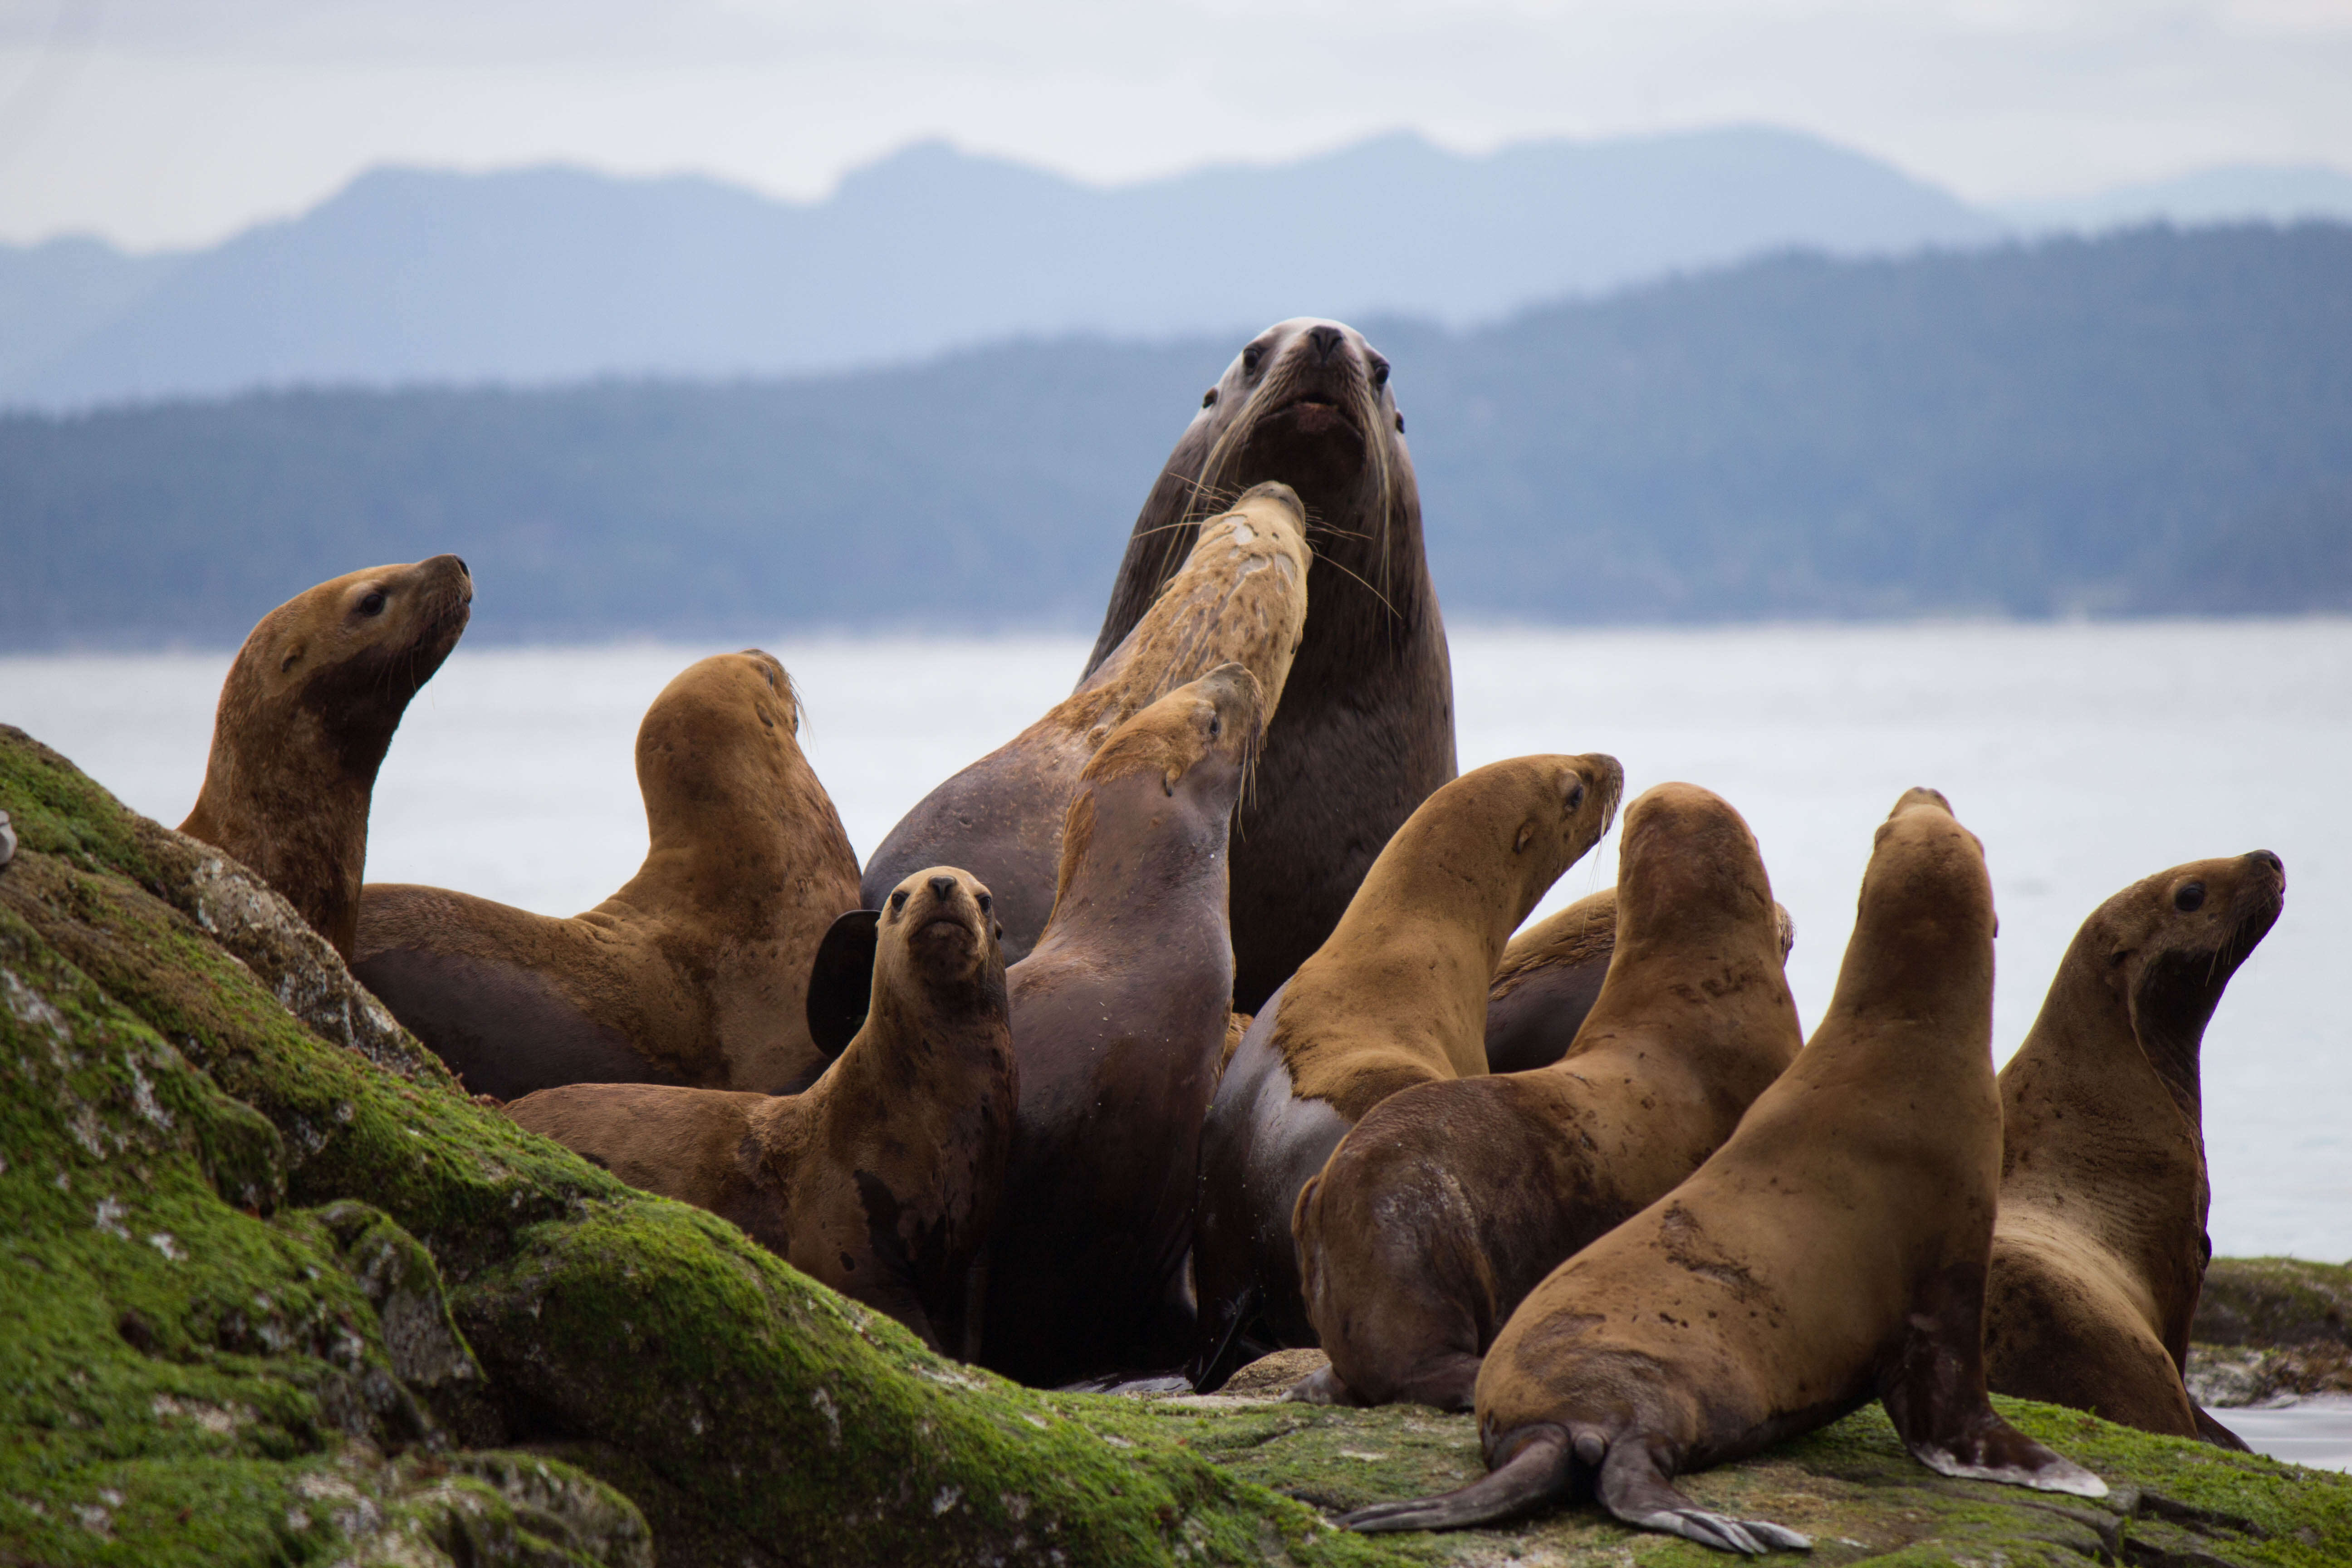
{"x": 305, "y": 716}
{"x": 1240, "y": 597}
{"x": 1550, "y": 976}
{"x": 882, "y": 1179}
{"x": 695, "y": 971}
{"x": 2100, "y": 1253}
{"x": 1120, "y": 1021}
{"x": 1397, "y": 997}
{"x": 1833, "y": 1249}
{"x": 1452, "y": 1200}
{"x": 1366, "y": 730}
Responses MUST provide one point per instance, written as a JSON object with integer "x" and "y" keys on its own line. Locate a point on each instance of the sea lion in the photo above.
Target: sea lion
{"x": 305, "y": 716}
{"x": 2100, "y": 1252}
{"x": 1367, "y": 731}
{"x": 1452, "y": 1200}
{"x": 882, "y": 1178}
{"x": 1550, "y": 976}
{"x": 1120, "y": 1021}
{"x": 1397, "y": 997}
{"x": 1239, "y": 598}
{"x": 695, "y": 971}
{"x": 1833, "y": 1248}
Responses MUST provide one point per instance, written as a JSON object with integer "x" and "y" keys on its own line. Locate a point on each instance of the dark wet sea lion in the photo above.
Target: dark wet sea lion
{"x": 305, "y": 718}
{"x": 1365, "y": 729}
{"x": 1833, "y": 1249}
{"x": 1237, "y": 595}
{"x": 1451, "y": 1200}
{"x": 694, "y": 973}
{"x": 1397, "y": 997}
{"x": 1120, "y": 1021}
{"x": 2100, "y": 1253}
{"x": 1550, "y": 976}
{"x": 883, "y": 1178}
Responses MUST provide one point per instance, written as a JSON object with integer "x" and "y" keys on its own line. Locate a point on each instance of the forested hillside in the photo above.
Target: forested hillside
{"x": 2152, "y": 421}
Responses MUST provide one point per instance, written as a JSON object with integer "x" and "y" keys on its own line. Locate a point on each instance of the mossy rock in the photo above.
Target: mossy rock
{"x": 278, "y": 1291}
{"x": 2274, "y": 1301}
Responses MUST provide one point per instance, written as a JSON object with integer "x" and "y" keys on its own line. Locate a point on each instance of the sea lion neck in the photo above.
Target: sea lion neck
{"x": 1130, "y": 843}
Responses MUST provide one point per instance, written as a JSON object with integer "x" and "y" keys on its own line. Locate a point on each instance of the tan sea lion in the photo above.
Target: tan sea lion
{"x": 694, "y": 973}
{"x": 1366, "y": 730}
{"x": 1120, "y": 1021}
{"x": 2100, "y": 1252}
{"x": 1550, "y": 976}
{"x": 305, "y": 718}
{"x": 1833, "y": 1249}
{"x": 1451, "y": 1200}
{"x": 1397, "y": 997}
{"x": 882, "y": 1179}
{"x": 1240, "y": 597}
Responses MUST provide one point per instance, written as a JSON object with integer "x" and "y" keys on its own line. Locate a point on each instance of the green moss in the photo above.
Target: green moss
{"x": 2267, "y": 1302}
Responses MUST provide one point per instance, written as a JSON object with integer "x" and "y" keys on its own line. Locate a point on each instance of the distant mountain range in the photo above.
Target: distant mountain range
{"x": 550, "y": 275}
{"x": 2155, "y": 421}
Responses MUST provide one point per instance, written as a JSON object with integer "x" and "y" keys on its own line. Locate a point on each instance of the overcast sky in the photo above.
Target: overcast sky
{"x": 172, "y": 122}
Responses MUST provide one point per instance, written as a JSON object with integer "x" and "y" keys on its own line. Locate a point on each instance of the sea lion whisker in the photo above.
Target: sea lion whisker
{"x": 1375, "y": 592}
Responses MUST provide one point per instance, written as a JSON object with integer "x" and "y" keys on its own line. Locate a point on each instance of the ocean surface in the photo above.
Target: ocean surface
{"x": 2086, "y": 757}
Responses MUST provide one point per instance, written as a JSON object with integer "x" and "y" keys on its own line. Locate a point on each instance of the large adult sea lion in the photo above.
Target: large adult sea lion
{"x": 1451, "y": 1200}
{"x": 1397, "y": 997}
{"x": 694, "y": 973}
{"x": 305, "y": 718}
{"x": 1550, "y": 976}
{"x": 1833, "y": 1249}
{"x": 1366, "y": 730}
{"x": 2100, "y": 1253}
{"x": 1119, "y": 1020}
{"x": 882, "y": 1179}
{"x": 1239, "y": 597}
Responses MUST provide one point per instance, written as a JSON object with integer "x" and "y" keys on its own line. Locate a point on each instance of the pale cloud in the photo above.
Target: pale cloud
{"x": 174, "y": 121}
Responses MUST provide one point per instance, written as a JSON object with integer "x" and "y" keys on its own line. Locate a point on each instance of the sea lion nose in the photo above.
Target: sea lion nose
{"x": 460, "y": 560}
{"x": 942, "y": 888}
{"x": 1326, "y": 340}
{"x": 2265, "y": 857}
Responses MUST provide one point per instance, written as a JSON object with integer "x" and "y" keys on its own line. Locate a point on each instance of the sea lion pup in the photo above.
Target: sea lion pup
{"x": 695, "y": 971}
{"x": 2100, "y": 1252}
{"x": 1239, "y": 598}
{"x": 1452, "y": 1200}
{"x": 882, "y": 1178}
{"x": 1397, "y": 997}
{"x": 1833, "y": 1248}
{"x": 305, "y": 716}
{"x": 1367, "y": 731}
{"x": 1120, "y": 1021}
{"x": 1550, "y": 976}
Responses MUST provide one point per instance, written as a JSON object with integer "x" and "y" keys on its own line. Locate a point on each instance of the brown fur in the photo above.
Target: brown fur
{"x": 1119, "y": 1018}
{"x": 2100, "y": 1252}
{"x": 1239, "y": 598}
{"x": 1452, "y": 1199}
{"x": 305, "y": 718}
{"x": 1397, "y": 997}
{"x": 697, "y": 971}
{"x": 883, "y": 1178}
{"x": 1366, "y": 732}
{"x": 1833, "y": 1248}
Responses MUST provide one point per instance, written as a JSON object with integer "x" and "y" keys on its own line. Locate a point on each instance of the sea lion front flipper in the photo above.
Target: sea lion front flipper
{"x": 1935, "y": 1395}
{"x": 1538, "y": 1471}
{"x": 1324, "y": 1385}
{"x": 2213, "y": 1432}
{"x": 1634, "y": 1488}
{"x": 841, "y": 981}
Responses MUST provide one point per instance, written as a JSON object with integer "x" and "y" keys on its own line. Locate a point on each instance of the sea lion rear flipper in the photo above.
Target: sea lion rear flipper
{"x": 2213, "y": 1432}
{"x": 1633, "y": 1487}
{"x": 841, "y": 981}
{"x": 1538, "y": 1471}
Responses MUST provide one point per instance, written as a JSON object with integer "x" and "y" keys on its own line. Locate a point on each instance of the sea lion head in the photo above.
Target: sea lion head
{"x": 1308, "y": 402}
{"x": 724, "y": 730}
{"x": 1203, "y": 735}
{"x": 331, "y": 671}
{"x": 1566, "y": 805}
{"x": 1688, "y": 866}
{"x": 938, "y": 928}
{"x": 2169, "y": 945}
{"x": 1924, "y": 924}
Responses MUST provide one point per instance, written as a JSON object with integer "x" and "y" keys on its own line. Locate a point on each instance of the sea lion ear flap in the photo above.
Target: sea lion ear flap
{"x": 841, "y": 981}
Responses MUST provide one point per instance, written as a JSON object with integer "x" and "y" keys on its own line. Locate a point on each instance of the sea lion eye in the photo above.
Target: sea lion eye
{"x": 2191, "y": 897}
{"x": 985, "y": 903}
{"x": 1576, "y": 794}
{"x": 1251, "y": 357}
{"x": 1209, "y": 398}
{"x": 374, "y": 604}
{"x": 1380, "y": 371}
{"x": 897, "y": 900}
{"x": 1216, "y": 726}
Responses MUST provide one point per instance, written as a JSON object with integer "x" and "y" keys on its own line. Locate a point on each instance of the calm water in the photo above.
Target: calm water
{"x": 2086, "y": 757}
